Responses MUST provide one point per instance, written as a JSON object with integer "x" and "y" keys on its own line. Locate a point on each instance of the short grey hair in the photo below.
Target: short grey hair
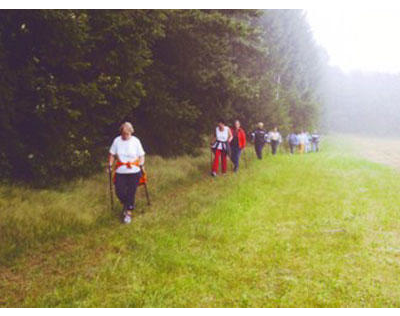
{"x": 127, "y": 125}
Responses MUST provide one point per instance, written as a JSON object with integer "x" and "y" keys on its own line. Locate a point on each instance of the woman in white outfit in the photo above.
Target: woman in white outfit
{"x": 127, "y": 153}
{"x": 220, "y": 146}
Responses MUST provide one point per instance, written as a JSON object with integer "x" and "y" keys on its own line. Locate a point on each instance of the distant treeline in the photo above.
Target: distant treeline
{"x": 365, "y": 103}
{"x": 68, "y": 78}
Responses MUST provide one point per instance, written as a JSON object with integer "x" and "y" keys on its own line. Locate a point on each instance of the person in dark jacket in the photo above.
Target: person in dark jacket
{"x": 259, "y": 137}
{"x": 238, "y": 143}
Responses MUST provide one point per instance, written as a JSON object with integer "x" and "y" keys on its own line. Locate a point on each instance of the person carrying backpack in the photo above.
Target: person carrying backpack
{"x": 238, "y": 143}
{"x": 220, "y": 146}
{"x": 259, "y": 137}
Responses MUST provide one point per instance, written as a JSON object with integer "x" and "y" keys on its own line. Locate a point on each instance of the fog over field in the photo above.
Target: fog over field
{"x": 362, "y": 85}
{"x": 362, "y": 102}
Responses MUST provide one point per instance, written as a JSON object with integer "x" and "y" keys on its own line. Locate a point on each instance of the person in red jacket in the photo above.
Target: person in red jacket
{"x": 238, "y": 143}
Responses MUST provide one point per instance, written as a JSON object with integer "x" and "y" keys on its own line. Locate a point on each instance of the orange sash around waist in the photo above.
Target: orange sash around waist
{"x": 129, "y": 164}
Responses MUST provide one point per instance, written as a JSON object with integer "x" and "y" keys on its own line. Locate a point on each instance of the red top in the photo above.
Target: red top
{"x": 241, "y": 135}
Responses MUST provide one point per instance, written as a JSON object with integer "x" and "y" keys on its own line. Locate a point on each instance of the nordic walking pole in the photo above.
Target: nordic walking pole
{"x": 211, "y": 159}
{"x": 145, "y": 189}
{"x": 111, "y": 188}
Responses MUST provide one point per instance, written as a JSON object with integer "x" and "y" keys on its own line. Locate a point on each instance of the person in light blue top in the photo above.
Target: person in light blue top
{"x": 293, "y": 142}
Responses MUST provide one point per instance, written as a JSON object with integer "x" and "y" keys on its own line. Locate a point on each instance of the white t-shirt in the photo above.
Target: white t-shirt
{"x": 276, "y": 136}
{"x": 222, "y": 136}
{"x": 127, "y": 151}
{"x": 302, "y": 138}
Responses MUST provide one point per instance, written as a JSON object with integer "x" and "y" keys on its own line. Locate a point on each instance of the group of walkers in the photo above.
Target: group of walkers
{"x": 304, "y": 141}
{"x": 127, "y": 157}
{"x": 232, "y": 141}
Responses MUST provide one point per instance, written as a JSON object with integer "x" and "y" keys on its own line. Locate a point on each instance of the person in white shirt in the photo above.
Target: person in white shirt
{"x": 127, "y": 153}
{"x": 308, "y": 142}
{"x": 275, "y": 139}
{"x": 220, "y": 146}
{"x": 302, "y": 141}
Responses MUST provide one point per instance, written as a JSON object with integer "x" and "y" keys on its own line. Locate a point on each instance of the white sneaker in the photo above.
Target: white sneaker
{"x": 127, "y": 220}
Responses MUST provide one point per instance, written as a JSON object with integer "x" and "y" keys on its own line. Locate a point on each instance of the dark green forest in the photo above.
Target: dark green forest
{"x": 69, "y": 78}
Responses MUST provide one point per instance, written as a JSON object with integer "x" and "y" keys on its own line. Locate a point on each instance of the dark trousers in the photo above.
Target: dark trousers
{"x": 292, "y": 148}
{"x": 259, "y": 149}
{"x": 274, "y": 146}
{"x": 125, "y": 187}
{"x": 235, "y": 157}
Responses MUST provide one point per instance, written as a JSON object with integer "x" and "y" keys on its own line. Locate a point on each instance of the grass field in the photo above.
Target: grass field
{"x": 289, "y": 231}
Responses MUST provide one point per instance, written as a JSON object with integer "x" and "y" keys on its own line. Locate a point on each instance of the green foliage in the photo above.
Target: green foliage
{"x": 65, "y": 72}
{"x": 68, "y": 78}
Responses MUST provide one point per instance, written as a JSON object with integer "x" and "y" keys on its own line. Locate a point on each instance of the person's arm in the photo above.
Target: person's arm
{"x": 266, "y": 138}
{"x": 213, "y": 140}
{"x": 230, "y": 137}
{"x": 140, "y": 153}
{"x": 141, "y": 161}
{"x": 111, "y": 159}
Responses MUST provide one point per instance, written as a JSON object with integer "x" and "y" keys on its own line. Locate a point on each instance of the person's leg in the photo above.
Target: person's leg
{"x": 256, "y": 150}
{"x": 216, "y": 160}
{"x": 274, "y": 146}
{"x": 317, "y": 147}
{"x": 239, "y": 151}
{"x": 133, "y": 182}
{"x": 234, "y": 156}
{"x": 259, "y": 148}
{"x": 223, "y": 158}
{"x": 120, "y": 188}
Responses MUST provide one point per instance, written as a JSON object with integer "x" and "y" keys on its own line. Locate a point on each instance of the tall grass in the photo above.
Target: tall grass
{"x": 30, "y": 217}
{"x": 312, "y": 230}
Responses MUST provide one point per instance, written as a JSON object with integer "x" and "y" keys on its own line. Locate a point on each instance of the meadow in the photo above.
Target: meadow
{"x": 314, "y": 230}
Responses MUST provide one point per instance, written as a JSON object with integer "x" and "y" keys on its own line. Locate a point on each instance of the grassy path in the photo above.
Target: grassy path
{"x": 313, "y": 230}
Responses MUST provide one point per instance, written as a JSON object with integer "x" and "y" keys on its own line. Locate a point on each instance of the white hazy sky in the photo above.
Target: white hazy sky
{"x": 357, "y": 39}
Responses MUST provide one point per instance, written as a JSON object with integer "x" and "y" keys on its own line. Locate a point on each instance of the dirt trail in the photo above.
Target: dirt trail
{"x": 381, "y": 150}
